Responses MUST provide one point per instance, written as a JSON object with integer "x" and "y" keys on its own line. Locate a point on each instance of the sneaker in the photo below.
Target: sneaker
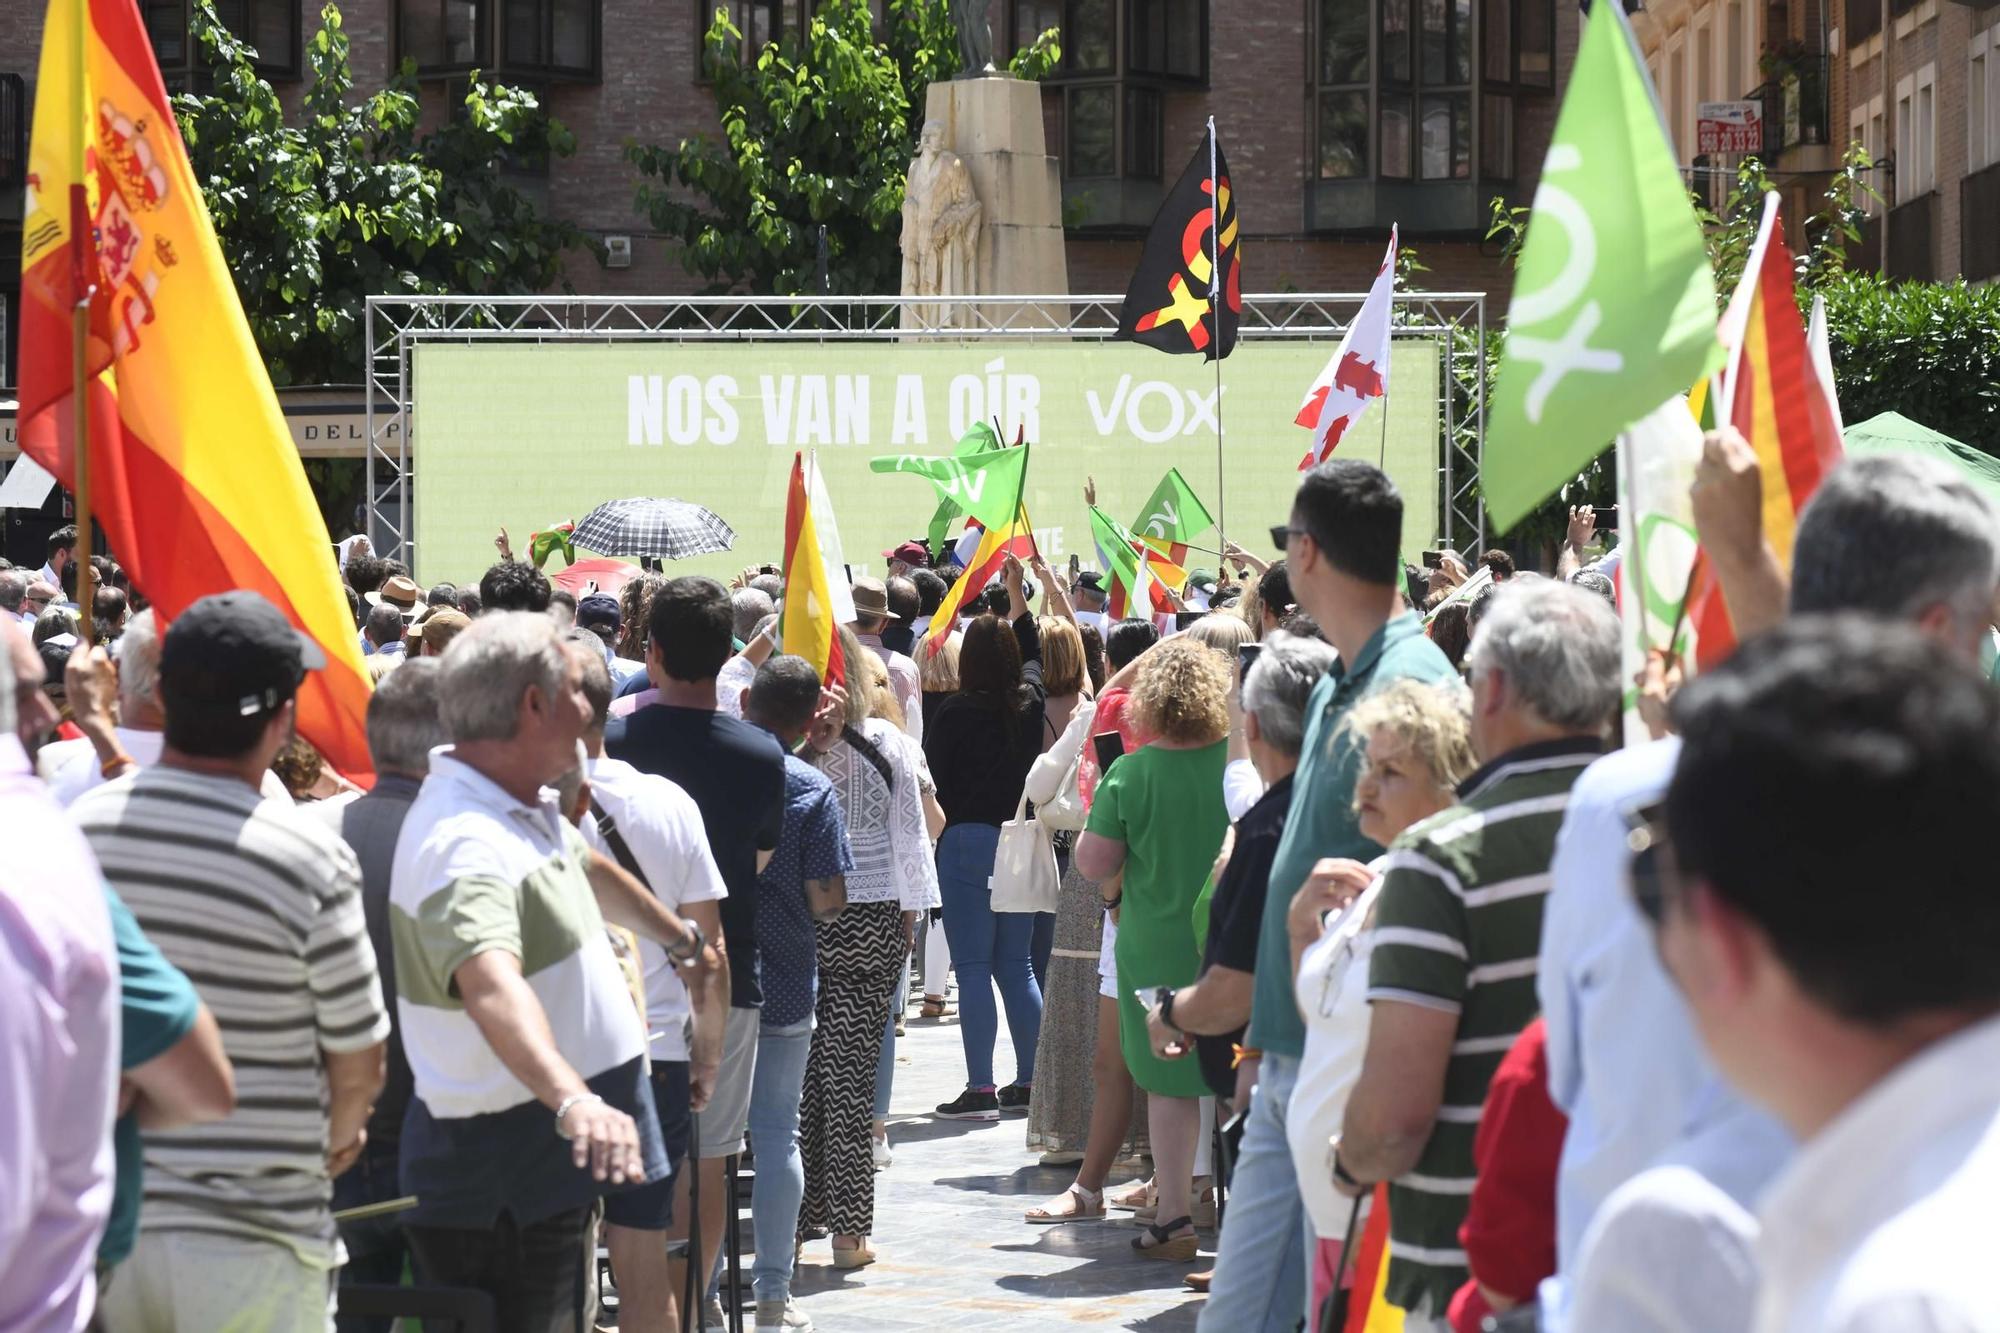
{"x": 778, "y": 1316}
{"x": 971, "y": 1105}
{"x": 883, "y": 1157}
{"x": 1014, "y": 1098}
{"x": 712, "y": 1318}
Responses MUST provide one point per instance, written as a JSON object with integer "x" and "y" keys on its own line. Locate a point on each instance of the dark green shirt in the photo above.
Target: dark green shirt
{"x": 1322, "y": 822}
{"x": 1458, "y": 928}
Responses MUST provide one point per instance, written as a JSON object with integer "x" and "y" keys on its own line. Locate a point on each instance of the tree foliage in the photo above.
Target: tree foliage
{"x": 817, "y": 131}
{"x": 351, "y": 201}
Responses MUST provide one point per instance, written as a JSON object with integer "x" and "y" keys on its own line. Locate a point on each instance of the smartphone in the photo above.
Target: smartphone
{"x": 1075, "y": 566}
{"x": 1246, "y": 657}
{"x": 1184, "y": 619}
{"x": 1607, "y": 516}
{"x": 1108, "y": 746}
{"x": 1432, "y": 559}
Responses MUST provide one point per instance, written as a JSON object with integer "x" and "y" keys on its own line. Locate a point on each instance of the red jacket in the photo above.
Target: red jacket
{"x": 1509, "y": 1232}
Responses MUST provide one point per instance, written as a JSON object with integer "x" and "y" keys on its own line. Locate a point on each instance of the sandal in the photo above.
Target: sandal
{"x": 1165, "y": 1245}
{"x": 1140, "y": 1195}
{"x": 1088, "y": 1207}
{"x": 932, "y": 1008}
{"x": 1203, "y": 1211}
{"x": 856, "y": 1256}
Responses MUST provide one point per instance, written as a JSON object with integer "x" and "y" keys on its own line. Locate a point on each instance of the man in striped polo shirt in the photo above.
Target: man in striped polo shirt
{"x": 261, "y": 908}
{"x": 1458, "y": 928}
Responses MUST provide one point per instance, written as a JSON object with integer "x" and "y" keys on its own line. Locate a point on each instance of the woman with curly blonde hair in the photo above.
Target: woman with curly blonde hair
{"x": 1158, "y": 816}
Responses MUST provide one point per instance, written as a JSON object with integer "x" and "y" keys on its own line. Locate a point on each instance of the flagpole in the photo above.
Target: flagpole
{"x": 1215, "y": 325}
{"x": 80, "y": 254}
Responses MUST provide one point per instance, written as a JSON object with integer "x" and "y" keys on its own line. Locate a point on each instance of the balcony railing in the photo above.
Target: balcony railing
{"x": 13, "y": 132}
{"x": 1913, "y": 240}
{"x": 1795, "y": 106}
{"x": 1979, "y": 243}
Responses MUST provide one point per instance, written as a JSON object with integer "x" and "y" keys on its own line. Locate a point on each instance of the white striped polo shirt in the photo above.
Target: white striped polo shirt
{"x": 261, "y": 908}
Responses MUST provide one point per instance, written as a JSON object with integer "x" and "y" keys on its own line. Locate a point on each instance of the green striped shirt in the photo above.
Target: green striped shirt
{"x": 1458, "y": 927}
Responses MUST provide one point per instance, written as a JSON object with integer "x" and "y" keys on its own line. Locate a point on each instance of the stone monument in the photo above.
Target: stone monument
{"x": 983, "y": 187}
{"x": 940, "y": 233}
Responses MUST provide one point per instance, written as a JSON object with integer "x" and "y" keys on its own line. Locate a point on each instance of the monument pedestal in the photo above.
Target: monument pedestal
{"x": 994, "y": 125}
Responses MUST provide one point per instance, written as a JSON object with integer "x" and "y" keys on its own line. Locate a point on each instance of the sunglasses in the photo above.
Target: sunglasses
{"x": 1655, "y": 873}
{"x": 1281, "y": 536}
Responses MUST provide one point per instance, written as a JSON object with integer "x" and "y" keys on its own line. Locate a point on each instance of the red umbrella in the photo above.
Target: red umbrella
{"x": 608, "y": 575}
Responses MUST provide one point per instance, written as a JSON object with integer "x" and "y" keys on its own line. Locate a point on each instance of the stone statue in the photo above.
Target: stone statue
{"x": 975, "y": 38}
{"x": 941, "y": 217}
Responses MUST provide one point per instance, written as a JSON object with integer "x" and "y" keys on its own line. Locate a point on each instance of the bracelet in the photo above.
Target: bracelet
{"x": 563, "y": 1108}
{"x": 117, "y": 765}
{"x": 1111, "y": 904}
{"x": 1340, "y": 1173}
{"x": 1166, "y": 998}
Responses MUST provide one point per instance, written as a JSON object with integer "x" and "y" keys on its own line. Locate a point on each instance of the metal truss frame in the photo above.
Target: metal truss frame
{"x": 393, "y": 326}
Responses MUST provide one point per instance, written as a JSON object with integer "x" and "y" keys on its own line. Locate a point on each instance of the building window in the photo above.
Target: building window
{"x": 1864, "y": 20}
{"x": 1982, "y": 102}
{"x": 269, "y": 26}
{"x": 1090, "y": 37}
{"x": 1864, "y": 124}
{"x": 442, "y": 36}
{"x": 1091, "y": 115}
{"x": 1144, "y": 134}
{"x": 1169, "y": 39}
{"x": 1029, "y": 19}
{"x": 1916, "y": 134}
{"x": 550, "y": 37}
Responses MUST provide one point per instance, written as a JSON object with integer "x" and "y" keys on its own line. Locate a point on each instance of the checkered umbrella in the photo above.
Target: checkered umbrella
{"x": 669, "y": 529}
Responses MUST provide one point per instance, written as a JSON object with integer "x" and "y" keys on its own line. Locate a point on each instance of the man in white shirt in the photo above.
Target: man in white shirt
{"x": 1631, "y": 1105}
{"x": 871, "y": 613}
{"x": 653, "y": 828}
{"x": 62, "y": 554}
{"x": 1830, "y": 759}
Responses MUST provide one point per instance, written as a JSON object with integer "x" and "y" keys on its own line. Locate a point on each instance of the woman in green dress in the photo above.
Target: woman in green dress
{"x": 1158, "y": 815}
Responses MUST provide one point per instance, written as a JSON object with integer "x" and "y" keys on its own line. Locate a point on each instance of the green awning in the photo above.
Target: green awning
{"x": 1892, "y": 432}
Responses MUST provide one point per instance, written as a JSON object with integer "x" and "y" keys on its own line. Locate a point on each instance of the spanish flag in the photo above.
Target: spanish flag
{"x": 806, "y": 624}
{"x": 1773, "y": 395}
{"x": 192, "y": 471}
{"x": 1015, "y": 538}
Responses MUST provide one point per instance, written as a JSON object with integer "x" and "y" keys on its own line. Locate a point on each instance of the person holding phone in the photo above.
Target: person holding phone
{"x": 1158, "y": 817}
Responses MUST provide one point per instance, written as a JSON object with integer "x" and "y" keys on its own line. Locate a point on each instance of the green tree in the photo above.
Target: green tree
{"x": 817, "y": 131}
{"x": 350, "y": 201}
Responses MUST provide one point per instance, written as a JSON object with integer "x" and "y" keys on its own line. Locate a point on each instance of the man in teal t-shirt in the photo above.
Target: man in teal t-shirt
{"x": 1342, "y": 552}
{"x": 158, "y": 1009}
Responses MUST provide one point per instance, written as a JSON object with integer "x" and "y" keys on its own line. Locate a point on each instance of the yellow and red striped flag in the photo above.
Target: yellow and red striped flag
{"x": 807, "y": 625}
{"x": 995, "y": 545}
{"x": 192, "y": 471}
{"x": 1773, "y": 395}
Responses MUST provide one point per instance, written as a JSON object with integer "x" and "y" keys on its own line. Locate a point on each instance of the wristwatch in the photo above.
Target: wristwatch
{"x": 693, "y": 941}
{"x": 1163, "y": 1000}
{"x": 1341, "y": 1174}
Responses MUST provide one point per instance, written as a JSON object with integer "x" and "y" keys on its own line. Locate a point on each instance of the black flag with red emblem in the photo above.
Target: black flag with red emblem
{"x": 1169, "y": 303}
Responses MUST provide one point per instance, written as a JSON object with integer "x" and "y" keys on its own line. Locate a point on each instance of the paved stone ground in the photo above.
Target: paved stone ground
{"x": 955, "y": 1253}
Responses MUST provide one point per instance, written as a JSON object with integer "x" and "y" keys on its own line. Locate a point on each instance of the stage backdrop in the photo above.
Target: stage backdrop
{"x": 528, "y": 436}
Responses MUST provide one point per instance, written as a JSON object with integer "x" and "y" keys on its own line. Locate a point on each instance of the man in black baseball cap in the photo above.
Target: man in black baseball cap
{"x": 229, "y": 667}
{"x": 599, "y": 614}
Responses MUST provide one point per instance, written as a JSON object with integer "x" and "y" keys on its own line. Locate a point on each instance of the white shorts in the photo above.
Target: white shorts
{"x": 1107, "y": 960}
{"x": 719, "y": 1128}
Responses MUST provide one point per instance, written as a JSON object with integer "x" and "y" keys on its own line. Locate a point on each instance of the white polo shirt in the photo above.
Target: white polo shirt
{"x": 1884, "y": 1222}
{"x": 662, "y": 825}
{"x": 476, "y": 870}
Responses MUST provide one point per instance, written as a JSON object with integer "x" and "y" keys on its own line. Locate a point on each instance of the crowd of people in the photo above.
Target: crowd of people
{"x": 1358, "y": 905}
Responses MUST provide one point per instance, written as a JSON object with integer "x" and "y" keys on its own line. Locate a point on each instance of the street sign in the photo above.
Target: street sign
{"x": 1729, "y": 127}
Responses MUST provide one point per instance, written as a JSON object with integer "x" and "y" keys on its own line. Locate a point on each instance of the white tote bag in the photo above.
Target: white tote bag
{"x": 1024, "y": 867}
{"x": 1065, "y": 813}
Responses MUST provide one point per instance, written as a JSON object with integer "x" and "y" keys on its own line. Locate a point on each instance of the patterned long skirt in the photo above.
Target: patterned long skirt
{"x": 860, "y": 964}
{"x": 1059, "y": 1107}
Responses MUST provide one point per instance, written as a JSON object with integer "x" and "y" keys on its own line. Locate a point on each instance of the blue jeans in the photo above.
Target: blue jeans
{"x": 987, "y": 948}
{"x": 1041, "y": 943}
{"x": 1260, "y": 1267}
{"x": 775, "y": 1091}
{"x": 887, "y": 1061}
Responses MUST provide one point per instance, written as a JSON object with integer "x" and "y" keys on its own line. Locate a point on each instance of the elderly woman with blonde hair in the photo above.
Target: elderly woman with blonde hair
{"x": 1417, "y": 749}
{"x": 1157, "y": 815}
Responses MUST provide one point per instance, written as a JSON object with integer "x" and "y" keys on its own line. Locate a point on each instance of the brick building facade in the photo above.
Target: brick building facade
{"x": 1915, "y": 82}
{"x": 1338, "y": 116}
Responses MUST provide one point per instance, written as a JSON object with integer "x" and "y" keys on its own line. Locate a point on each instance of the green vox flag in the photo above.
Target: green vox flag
{"x": 978, "y": 439}
{"x": 1114, "y": 550}
{"x": 986, "y": 485}
{"x": 1173, "y": 517}
{"x": 1614, "y": 305}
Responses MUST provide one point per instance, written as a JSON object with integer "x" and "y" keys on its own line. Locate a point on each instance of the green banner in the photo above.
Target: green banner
{"x": 529, "y": 435}
{"x": 987, "y": 486}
